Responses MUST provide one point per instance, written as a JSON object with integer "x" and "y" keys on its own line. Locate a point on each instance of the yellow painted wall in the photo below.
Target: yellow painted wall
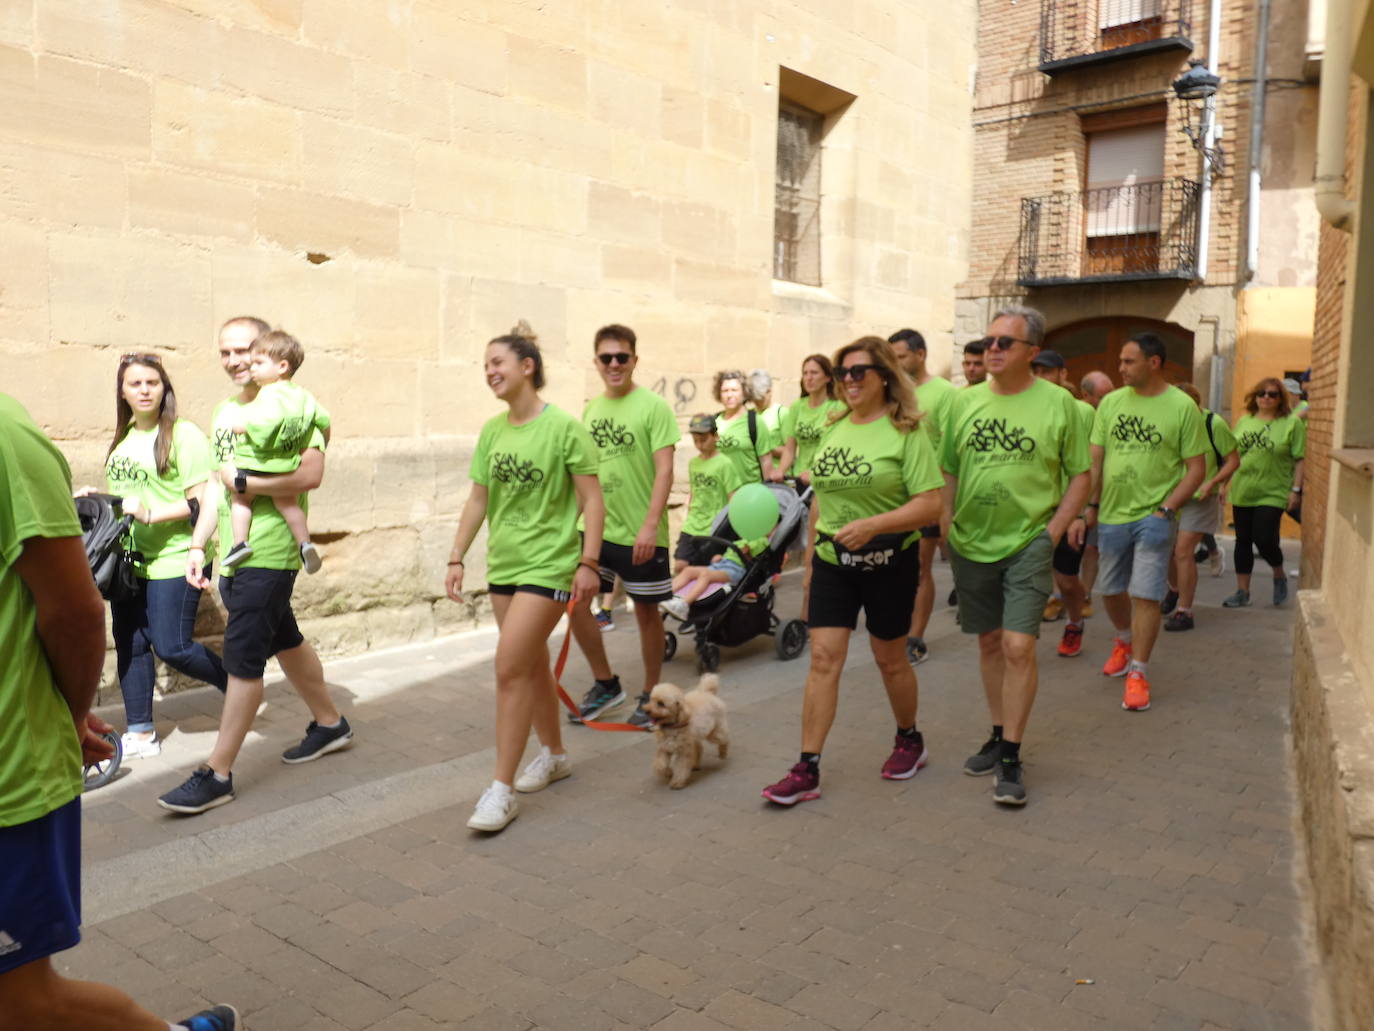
{"x": 1273, "y": 334}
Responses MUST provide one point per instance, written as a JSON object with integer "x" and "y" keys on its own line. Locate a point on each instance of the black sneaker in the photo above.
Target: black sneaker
{"x": 1179, "y": 620}
{"x": 220, "y": 1018}
{"x": 916, "y": 651}
{"x": 639, "y": 718}
{"x": 201, "y": 791}
{"x": 319, "y": 741}
{"x": 1170, "y": 602}
{"x": 1009, "y": 789}
{"x": 953, "y": 598}
{"x": 604, "y": 695}
{"x": 982, "y": 764}
{"x": 236, "y": 556}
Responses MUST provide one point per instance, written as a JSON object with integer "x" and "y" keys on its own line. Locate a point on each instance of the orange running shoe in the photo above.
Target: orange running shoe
{"x": 1072, "y": 641}
{"x": 1119, "y": 660}
{"x": 1137, "y": 695}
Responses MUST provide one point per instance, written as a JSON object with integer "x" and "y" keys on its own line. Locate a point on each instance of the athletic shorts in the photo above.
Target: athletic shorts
{"x": 1135, "y": 557}
{"x": 261, "y": 623}
{"x": 562, "y": 597}
{"x": 931, "y": 533}
{"x": 730, "y": 567}
{"x": 40, "y": 886}
{"x": 1008, "y": 594}
{"x": 1200, "y": 516}
{"x": 1068, "y": 560}
{"x": 885, "y": 595}
{"x": 648, "y": 581}
{"x": 693, "y": 549}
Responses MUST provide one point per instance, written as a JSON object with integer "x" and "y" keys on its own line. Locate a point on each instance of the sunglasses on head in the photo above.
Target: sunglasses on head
{"x": 619, "y": 357}
{"x": 855, "y": 372}
{"x": 1268, "y": 393}
{"x": 1001, "y": 343}
{"x": 139, "y": 358}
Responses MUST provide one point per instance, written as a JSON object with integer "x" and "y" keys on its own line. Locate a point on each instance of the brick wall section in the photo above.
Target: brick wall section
{"x": 1322, "y": 396}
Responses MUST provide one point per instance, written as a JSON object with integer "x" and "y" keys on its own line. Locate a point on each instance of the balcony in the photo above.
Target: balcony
{"x": 1075, "y": 33}
{"x": 1110, "y": 234}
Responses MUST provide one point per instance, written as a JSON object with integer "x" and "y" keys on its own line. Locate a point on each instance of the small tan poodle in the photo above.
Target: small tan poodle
{"x": 683, "y": 721}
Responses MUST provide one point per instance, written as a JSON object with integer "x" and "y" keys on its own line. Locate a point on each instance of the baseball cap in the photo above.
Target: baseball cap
{"x": 1291, "y": 385}
{"x": 702, "y": 424}
{"x": 1049, "y": 360}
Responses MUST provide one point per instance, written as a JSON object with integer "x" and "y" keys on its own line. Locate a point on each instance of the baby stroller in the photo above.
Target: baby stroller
{"x": 104, "y": 531}
{"x": 731, "y": 615}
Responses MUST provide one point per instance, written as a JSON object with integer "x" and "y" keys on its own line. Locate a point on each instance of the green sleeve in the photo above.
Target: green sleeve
{"x": 579, "y": 450}
{"x": 1192, "y": 431}
{"x": 663, "y": 429}
{"x": 322, "y": 419}
{"x": 949, "y": 451}
{"x": 262, "y": 417}
{"x": 480, "y": 470}
{"x": 754, "y": 548}
{"x": 192, "y": 455}
{"x": 1099, "y": 433}
{"x": 920, "y": 472}
{"x": 1297, "y": 443}
{"x": 35, "y": 485}
{"x": 1226, "y": 440}
{"x": 788, "y": 428}
{"x": 1076, "y": 457}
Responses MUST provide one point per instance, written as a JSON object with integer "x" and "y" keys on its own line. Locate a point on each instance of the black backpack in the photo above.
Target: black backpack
{"x": 104, "y": 532}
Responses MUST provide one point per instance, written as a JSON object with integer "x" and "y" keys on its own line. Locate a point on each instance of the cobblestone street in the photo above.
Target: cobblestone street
{"x": 1148, "y": 884}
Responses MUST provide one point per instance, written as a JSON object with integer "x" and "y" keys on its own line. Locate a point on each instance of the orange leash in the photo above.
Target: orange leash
{"x": 558, "y": 668}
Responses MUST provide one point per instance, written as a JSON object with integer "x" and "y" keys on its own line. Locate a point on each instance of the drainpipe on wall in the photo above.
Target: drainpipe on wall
{"x": 1329, "y": 182}
{"x": 1252, "y": 222}
{"x": 1209, "y": 142}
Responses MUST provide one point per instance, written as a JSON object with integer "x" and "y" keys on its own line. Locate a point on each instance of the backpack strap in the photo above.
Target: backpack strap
{"x": 753, "y": 416}
{"x": 1213, "y": 440}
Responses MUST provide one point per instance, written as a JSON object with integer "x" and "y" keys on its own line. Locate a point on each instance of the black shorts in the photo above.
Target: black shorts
{"x": 649, "y": 581}
{"x": 1067, "y": 559}
{"x": 40, "y": 886}
{"x": 692, "y": 549}
{"x": 261, "y": 622}
{"x": 562, "y": 597}
{"x": 886, "y": 596}
{"x": 931, "y": 533}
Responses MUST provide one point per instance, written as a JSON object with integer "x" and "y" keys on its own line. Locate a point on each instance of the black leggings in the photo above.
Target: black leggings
{"x": 1257, "y": 526}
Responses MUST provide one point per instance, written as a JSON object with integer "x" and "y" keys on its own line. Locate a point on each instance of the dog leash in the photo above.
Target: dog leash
{"x": 558, "y": 668}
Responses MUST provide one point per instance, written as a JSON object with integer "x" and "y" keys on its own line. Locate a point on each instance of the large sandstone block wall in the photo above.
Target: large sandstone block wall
{"x": 396, "y": 182}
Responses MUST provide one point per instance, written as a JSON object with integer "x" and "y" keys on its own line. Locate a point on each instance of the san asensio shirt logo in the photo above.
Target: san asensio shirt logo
{"x": 991, "y": 436}
{"x": 291, "y": 436}
{"x": 507, "y": 468}
{"x": 1133, "y": 429}
{"x": 838, "y": 462}
{"x": 809, "y": 432}
{"x": 704, "y": 481}
{"x": 123, "y": 470}
{"x": 224, "y": 444}
{"x": 611, "y": 435}
{"x": 1251, "y": 439}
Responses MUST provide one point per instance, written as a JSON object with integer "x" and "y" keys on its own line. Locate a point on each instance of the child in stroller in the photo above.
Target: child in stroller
{"x": 729, "y": 607}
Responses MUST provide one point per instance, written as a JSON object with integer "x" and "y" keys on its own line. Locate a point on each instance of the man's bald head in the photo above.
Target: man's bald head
{"x": 1096, "y": 386}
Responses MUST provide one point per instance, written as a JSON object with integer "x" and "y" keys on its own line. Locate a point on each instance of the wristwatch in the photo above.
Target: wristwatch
{"x": 240, "y": 482}
{"x": 1166, "y": 511}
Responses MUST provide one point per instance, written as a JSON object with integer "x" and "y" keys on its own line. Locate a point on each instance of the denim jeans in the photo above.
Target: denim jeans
{"x": 159, "y": 620}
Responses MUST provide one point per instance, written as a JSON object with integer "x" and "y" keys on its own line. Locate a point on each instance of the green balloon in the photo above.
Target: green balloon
{"x": 753, "y": 511}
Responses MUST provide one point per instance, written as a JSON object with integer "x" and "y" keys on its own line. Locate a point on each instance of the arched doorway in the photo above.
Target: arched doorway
{"x": 1095, "y": 344}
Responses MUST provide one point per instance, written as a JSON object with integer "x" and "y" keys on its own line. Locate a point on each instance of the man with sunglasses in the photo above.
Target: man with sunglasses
{"x": 1015, "y": 459}
{"x": 635, "y": 431}
{"x": 1147, "y": 460}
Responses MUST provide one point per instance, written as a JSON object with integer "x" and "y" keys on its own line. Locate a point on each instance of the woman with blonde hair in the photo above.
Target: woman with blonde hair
{"x": 876, "y": 483}
{"x": 1272, "y": 443}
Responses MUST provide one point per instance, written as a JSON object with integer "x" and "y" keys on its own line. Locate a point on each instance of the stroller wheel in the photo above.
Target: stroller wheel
{"x": 669, "y": 645}
{"x": 708, "y": 657}
{"x": 97, "y": 775}
{"x": 791, "y": 639}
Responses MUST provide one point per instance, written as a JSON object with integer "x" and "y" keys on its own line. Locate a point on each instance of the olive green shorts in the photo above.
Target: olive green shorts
{"x": 1009, "y": 594}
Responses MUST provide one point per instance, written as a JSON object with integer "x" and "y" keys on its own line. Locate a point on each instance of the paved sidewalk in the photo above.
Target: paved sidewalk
{"x": 1149, "y": 884}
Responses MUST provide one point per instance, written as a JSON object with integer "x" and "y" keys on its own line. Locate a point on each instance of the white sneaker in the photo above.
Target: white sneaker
{"x": 494, "y": 810}
{"x": 136, "y": 746}
{"x": 676, "y": 607}
{"x": 310, "y": 558}
{"x": 1216, "y": 562}
{"x": 543, "y": 770}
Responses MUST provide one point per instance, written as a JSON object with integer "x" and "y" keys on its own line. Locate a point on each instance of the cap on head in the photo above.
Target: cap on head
{"x": 1291, "y": 385}
{"x": 702, "y": 424}
{"x": 1048, "y": 360}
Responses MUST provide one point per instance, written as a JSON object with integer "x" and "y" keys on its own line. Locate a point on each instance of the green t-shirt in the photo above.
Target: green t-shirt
{"x": 531, "y": 501}
{"x": 627, "y": 431}
{"x": 933, "y": 397}
{"x": 1146, "y": 440}
{"x": 864, "y": 470}
{"x": 806, "y": 424}
{"x": 279, "y": 422}
{"x": 772, "y": 417}
{"x": 131, "y": 472}
{"x": 40, "y": 757}
{"x": 1012, "y": 455}
{"x": 713, "y": 480}
{"x": 1086, "y": 414}
{"x": 274, "y": 546}
{"x": 732, "y": 438}
{"x": 1221, "y": 436}
{"x": 1268, "y": 452}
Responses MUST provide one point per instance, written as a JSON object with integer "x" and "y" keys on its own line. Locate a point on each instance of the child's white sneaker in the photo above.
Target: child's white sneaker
{"x": 310, "y": 558}
{"x": 675, "y": 606}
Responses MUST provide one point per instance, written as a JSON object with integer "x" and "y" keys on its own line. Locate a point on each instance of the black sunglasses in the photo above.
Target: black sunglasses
{"x": 619, "y": 357}
{"x": 1267, "y": 393}
{"x": 1001, "y": 343}
{"x": 855, "y": 372}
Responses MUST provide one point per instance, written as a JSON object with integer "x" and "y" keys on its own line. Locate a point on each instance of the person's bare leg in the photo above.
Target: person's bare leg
{"x": 241, "y": 700}
{"x": 304, "y": 670}
{"x": 829, "y": 646}
{"x": 1019, "y": 683}
{"x": 37, "y": 998}
{"x": 1145, "y": 620}
{"x": 806, "y": 582}
{"x": 1184, "y": 567}
{"x": 992, "y": 666}
{"x": 294, "y": 517}
{"x": 1072, "y": 592}
{"x": 698, "y": 586}
{"x": 588, "y": 637}
{"x": 1118, "y": 608}
{"x": 241, "y": 516}
{"x": 522, "y": 677}
{"x": 899, "y": 679}
{"x": 925, "y": 590}
{"x": 650, "y": 622}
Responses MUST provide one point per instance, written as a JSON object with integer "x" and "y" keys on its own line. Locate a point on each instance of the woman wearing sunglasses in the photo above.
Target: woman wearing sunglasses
{"x": 159, "y": 465}
{"x": 876, "y": 482}
{"x": 1272, "y": 443}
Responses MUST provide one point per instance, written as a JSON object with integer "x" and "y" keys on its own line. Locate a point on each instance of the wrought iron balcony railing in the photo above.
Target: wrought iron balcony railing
{"x": 1112, "y": 233}
{"x": 1081, "y": 32}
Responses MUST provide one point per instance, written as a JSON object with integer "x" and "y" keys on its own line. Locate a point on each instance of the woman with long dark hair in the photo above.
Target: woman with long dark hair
{"x": 158, "y": 464}
{"x": 1272, "y": 442}
{"x": 534, "y": 469}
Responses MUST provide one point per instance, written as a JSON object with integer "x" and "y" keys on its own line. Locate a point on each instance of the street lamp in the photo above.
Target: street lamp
{"x": 1197, "y": 90}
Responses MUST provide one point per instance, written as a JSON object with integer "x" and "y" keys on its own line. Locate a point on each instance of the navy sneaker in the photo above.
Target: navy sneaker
{"x": 201, "y": 791}
{"x": 319, "y": 741}
{"x": 1280, "y": 590}
{"x": 220, "y": 1018}
{"x": 640, "y": 718}
{"x": 604, "y": 695}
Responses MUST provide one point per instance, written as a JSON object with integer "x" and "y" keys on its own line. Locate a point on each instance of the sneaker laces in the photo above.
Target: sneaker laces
{"x": 540, "y": 766}
{"x": 799, "y": 776}
{"x": 489, "y": 804}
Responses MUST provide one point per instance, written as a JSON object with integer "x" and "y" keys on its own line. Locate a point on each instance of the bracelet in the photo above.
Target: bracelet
{"x": 457, "y": 562}
{"x": 594, "y": 567}
{"x": 1094, "y": 504}
{"x": 197, "y": 547}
